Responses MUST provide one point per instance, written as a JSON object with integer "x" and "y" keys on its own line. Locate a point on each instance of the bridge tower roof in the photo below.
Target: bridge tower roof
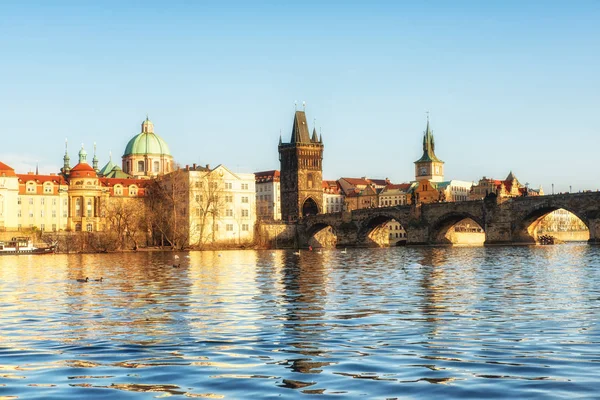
{"x": 428, "y": 146}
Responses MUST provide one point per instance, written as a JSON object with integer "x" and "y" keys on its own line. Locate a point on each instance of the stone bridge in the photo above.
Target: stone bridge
{"x": 504, "y": 221}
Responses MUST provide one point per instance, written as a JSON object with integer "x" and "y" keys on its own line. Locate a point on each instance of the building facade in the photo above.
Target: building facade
{"x": 333, "y": 197}
{"x": 301, "y": 171}
{"x": 509, "y": 187}
{"x": 268, "y": 200}
{"x": 9, "y": 192}
{"x": 218, "y": 206}
{"x": 394, "y": 195}
{"x": 42, "y": 203}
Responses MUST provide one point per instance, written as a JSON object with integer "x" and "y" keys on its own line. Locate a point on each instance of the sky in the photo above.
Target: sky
{"x": 509, "y": 85}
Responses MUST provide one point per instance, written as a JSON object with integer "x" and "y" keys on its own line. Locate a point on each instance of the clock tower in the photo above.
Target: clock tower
{"x": 429, "y": 167}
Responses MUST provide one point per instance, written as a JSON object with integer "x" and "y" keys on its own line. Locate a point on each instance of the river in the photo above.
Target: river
{"x": 423, "y": 322}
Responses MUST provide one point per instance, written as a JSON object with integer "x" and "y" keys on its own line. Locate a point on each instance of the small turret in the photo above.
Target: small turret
{"x": 147, "y": 126}
{"x": 82, "y": 155}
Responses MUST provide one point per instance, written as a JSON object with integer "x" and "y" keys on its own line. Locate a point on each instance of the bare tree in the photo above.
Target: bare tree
{"x": 167, "y": 199}
{"x": 125, "y": 219}
{"x": 208, "y": 196}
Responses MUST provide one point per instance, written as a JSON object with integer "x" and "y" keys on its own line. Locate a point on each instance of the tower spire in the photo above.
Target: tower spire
{"x": 66, "y": 160}
{"x": 95, "y": 159}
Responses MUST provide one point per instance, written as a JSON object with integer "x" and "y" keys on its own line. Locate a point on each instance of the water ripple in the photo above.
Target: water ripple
{"x": 421, "y": 322}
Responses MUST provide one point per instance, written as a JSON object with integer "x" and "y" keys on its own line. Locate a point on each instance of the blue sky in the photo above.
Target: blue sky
{"x": 510, "y": 85}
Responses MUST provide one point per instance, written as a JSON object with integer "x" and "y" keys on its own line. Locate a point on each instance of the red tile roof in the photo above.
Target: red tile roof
{"x": 267, "y": 176}
{"x": 356, "y": 181}
{"x": 56, "y": 179}
{"x": 399, "y": 186}
{"x": 124, "y": 181}
{"x": 82, "y": 170}
{"x": 5, "y": 170}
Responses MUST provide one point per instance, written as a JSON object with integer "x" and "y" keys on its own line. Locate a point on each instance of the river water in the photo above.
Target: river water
{"x": 493, "y": 322}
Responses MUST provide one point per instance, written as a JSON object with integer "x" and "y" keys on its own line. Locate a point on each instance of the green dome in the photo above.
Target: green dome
{"x": 147, "y": 143}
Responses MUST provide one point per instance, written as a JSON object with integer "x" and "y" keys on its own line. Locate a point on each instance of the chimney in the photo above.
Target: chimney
{"x": 52, "y": 173}
{"x": 207, "y": 166}
{"x": 187, "y": 167}
{"x": 194, "y": 166}
{"x": 30, "y": 173}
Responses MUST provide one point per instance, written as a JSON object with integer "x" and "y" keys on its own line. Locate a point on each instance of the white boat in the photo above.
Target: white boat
{"x": 24, "y": 245}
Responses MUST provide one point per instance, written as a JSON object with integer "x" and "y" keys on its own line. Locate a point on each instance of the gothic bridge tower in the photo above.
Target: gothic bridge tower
{"x": 429, "y": 167}
{"x": 301, "y": 171}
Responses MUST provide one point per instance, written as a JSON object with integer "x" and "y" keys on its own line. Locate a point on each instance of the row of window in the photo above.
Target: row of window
{"x": 42, "y": 201}
{"x": 398, "y": 235}
{"x": 262, "y": 188}
{"x": 42, "y": 213}
{"x": 42, "y": 227}
{"x": 395, "y": 202}
{"x": 141, "y": 166}
{"x": 334, "y": 200}
{"x": 32, "y": 188}
{"x": 228, "y": 227}
{"x": 214, "y": 185}
{"x": 266, "y": 197}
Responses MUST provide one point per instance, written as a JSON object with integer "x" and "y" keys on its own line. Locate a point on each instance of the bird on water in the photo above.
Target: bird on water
{"x": 83, "y": 280}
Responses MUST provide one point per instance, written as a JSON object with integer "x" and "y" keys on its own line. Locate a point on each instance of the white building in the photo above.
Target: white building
{"x": 456, "y": 190}
{"x": 43, "y": 202}
{"x": 268, "y": 202}
{"x": 222, "y": 206}
{"x": 396, "y": 232}
{"x": 9, "y": 192}
{"x": 333, "y": 197}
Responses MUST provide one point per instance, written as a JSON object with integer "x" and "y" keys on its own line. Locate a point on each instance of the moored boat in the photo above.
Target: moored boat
{"x": 24, "y": 245}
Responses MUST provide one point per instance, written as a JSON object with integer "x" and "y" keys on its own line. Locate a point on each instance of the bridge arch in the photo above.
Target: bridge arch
{"x": 321, "y": 234}
{"x": 526, "y": 223}
{"x": 372, "y": 231}
{"x": 440, "y": 230}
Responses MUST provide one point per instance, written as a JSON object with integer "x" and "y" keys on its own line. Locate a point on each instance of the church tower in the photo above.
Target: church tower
{"x": 429, "y": 167}
{"x": 301, "y": 171}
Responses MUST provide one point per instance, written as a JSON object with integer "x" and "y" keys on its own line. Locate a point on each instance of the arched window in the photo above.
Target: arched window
{"x": 156, "y": 166}
{"x": 78, "y": 227}
{"x": 140, "y": 166}
{"x": 309, "y": 181}
{"x": 78, "y": 208}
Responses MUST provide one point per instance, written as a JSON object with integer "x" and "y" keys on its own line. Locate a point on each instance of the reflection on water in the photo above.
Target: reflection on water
{"x": 398, "y": 322}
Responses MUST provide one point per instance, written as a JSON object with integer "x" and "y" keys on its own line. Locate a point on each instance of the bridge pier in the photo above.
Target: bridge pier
{"x": 594, "y": 228}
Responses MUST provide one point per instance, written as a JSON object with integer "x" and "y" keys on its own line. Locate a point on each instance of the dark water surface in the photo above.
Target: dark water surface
{"x": 500, "y": 322}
